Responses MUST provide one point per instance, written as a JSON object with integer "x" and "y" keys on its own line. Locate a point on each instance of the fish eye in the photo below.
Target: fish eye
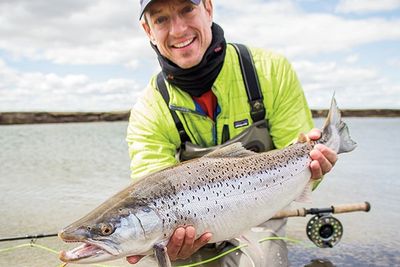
{"x": 106, "y": 229}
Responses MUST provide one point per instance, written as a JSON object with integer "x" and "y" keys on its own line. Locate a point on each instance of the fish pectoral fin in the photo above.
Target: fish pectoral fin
{"x": 235, "y": 150}
{"x": 305, "y": 196}
{"x": 161, "y": 255}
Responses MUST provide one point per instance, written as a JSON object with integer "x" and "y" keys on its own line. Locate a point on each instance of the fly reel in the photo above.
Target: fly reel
{"x": 324, "y": 230}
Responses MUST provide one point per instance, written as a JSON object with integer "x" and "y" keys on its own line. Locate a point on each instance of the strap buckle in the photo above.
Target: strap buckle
{"x": 257, "y": 110}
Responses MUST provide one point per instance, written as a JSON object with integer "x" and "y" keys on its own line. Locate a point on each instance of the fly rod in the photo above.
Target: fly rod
{"x": 321, "y": 215}
{"x": 364, "y": 206}
{"x": 27, "y": 237}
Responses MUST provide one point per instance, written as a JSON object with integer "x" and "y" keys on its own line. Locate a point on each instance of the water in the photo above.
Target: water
{"x": 52, "y": 174}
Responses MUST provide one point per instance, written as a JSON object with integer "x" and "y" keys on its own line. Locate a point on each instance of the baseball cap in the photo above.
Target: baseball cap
{"x": 145, "y": 3}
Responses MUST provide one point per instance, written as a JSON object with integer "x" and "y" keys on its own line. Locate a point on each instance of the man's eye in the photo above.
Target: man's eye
{"x": 160, "y": 20}
{"x": 187, "y": 9}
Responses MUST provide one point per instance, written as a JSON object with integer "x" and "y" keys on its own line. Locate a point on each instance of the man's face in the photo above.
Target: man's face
{"x": 180, "y": 30}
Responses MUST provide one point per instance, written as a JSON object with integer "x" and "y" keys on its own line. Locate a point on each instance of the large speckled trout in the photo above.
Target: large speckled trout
{"x": 217, "y": 193}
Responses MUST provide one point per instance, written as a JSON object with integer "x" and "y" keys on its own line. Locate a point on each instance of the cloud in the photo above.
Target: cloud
{"x": 355, "y": 87}
{"x": 394, "y": 62}
{"x": 103, "y": 32}
{"x": 35, "y": 91}
{"x": 73, "y": 32}
{"x": 353, "y": 58}
{"x": 286, "y": 28}
{"x": 366, "y": 6}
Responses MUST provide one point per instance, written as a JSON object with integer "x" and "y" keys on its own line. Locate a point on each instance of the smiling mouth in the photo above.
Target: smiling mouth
{"x": 184, "y": 44}
{"x": 86, "y": 250}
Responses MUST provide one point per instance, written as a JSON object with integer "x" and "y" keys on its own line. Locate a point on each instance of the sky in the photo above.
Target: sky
{"x": 92, "y": 55}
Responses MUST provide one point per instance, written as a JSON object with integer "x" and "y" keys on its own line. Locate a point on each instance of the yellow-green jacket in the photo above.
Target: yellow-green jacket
{"x": 153, "y": 138}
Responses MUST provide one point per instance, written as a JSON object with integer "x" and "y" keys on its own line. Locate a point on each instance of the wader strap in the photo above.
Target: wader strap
{"x": 253, "y": 90}
{"x": 162, "y": 88}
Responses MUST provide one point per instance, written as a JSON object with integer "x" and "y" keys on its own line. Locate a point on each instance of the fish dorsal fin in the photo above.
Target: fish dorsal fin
{"x": 235, "y": 150}
{"x": 303, "y": 138}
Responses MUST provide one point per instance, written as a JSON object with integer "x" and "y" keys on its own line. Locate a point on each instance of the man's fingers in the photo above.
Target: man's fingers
{"x": 134, "y": 259}
{"x": 314, "y": 134}
{"x": 175, "y": 243}
{"x": 316, "y": 171}
{"x": 328, "y": 153}
{"x": 201, "y": 241}
{"x": 187, "y": 247}
{"x": 323, "y": 161}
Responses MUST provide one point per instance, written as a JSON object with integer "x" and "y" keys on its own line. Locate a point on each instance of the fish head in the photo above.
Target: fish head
{"x": 111, "y": 233}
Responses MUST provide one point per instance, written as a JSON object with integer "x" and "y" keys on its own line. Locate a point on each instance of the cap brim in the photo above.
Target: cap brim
{"x": 145, "y": 3}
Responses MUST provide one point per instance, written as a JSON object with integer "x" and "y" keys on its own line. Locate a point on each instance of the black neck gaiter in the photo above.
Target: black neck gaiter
{"x": 200, "y": 78}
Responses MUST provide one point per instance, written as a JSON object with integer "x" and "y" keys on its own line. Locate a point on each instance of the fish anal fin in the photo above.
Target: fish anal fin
{"x": 161, "y": 255}
{"x": 305, "y": 196}
{"x": 234, "y": 150}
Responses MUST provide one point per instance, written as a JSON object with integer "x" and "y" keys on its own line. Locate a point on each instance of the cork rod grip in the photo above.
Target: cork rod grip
{"x": 365, "y": 206}
{"x": 290, "y": 213}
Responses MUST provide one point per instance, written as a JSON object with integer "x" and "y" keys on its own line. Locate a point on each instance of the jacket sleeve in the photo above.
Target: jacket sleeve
{"x": 290, "y": 114}
{"x": 151, "y": 135}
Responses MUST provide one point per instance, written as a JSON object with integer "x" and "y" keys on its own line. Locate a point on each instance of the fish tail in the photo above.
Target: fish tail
{"x": 335, "y": 133}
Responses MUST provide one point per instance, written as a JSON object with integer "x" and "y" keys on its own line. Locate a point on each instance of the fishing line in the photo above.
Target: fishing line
{"x": 214, "y": 258}
{"x": 271, "y": 238}
{"x": 33, "y": 245}
{"x": 188, "y": 265}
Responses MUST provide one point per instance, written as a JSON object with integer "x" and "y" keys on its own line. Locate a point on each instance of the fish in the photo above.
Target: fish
{"x": 217, "y": 193}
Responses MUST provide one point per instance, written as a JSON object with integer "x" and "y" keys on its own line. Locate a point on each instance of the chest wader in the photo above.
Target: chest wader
{"x": 256, "y": 138}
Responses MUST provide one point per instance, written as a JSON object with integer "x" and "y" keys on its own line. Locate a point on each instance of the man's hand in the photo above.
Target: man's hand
{"x": 323, "y": 158}
{"x": 181, "y": 245}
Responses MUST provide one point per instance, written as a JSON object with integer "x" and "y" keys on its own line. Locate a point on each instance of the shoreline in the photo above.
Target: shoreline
{"x": 9, "y": 118}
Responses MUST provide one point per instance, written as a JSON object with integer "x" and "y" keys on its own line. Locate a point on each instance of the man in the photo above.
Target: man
{"x": 206, "y": 91}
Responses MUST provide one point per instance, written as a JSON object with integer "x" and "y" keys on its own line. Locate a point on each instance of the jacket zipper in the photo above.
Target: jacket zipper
{"x": 191, "y": 111}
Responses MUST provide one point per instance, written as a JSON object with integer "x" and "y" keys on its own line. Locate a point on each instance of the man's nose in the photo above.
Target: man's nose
{"x": 178, "y": 26}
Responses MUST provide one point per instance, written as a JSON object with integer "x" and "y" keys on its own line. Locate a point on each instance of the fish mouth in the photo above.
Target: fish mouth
{"x": 87, "y": 252}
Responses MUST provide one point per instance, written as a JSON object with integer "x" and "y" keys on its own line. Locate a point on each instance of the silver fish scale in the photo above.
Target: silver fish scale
{"x": 211, "y": 191}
